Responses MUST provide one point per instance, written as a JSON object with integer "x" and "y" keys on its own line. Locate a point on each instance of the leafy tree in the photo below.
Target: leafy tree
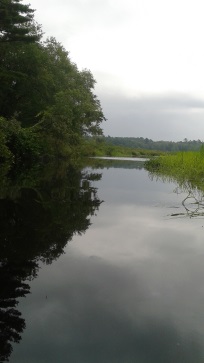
{"x": 18, "y": 34}
{"x": 70, "y": 110}
{"x": 42, "y": 89}
{"x": 24, "y": 82}
{"x": 72, "y": 100}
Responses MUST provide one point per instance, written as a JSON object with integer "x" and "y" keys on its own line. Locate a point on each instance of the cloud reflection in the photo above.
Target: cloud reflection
{"x": 130, "y": 290}
{"x": 105, "y": 314}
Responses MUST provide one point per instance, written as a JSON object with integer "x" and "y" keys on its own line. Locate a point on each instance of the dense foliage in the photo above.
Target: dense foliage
{"x": 145, "y": 143}
{"x": 16, "y": 22}
{"x": 47, "y": 105}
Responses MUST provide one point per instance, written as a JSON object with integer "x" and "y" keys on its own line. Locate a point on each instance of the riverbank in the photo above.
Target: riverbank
{"x": 102, "y": 149}
{"x": 183, "y": 166}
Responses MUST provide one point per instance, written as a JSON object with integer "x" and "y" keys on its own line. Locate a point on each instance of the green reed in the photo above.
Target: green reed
{"x": 182, "y": 165}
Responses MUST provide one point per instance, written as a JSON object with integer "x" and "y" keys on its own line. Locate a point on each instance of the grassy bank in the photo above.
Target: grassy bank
{"x": 182, "y": 166}
{"x": 95, "y": 148}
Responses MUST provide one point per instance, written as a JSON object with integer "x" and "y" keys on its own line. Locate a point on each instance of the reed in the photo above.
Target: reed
{"x": 182, "y": 165}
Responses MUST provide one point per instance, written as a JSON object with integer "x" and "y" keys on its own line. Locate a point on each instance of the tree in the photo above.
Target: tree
{"x": 18, "y": 36}
{"x": 22, "y": 81}
{"x": 75, "y": 104}
{"x": 16, "y": 22}
{"x": 41, "y": 88}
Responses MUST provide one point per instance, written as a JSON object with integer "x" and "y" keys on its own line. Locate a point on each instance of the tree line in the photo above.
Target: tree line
{"x": 47, "y": 105}
{"x": 148, "y": 144}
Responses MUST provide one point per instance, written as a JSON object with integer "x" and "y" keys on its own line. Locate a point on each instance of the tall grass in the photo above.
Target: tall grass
{"x": 94, "y": 148}
{"x": 182, "y": 165}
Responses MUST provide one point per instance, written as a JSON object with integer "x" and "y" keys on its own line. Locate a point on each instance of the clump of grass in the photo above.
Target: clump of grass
{"x": 182, "y": 165}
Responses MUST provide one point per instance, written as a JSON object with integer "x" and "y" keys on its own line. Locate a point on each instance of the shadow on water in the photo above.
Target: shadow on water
{"x": 40, "y": 211}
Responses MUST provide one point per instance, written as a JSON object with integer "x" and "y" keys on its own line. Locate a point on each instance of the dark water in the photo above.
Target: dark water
{"x": 127, "y": 287}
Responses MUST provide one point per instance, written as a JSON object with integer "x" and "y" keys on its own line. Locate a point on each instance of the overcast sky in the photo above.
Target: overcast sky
{"x": 146, "y": 56}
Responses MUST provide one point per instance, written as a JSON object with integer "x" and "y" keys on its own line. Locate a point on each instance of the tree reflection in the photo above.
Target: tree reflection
{"x": 101, "y": 163}
{"x": 40, "y": 211}
{"x": 11, "y": 322}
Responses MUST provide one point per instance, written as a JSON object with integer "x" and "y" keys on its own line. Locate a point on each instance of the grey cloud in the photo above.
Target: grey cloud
{"x": 169, "y": 117}
{"x": 159, "y": 103}
{"x": 80, "y": 14}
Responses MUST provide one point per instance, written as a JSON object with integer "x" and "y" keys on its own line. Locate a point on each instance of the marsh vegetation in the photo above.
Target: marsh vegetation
{"x": 182, "y": 166}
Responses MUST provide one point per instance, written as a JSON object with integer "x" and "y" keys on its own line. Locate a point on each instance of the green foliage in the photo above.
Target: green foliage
{"x": 148, "y": 144}
{"x": 47, "y": 104}
{"x": 24, "y": 82}
{"x": 182, "y": 166}
{"x": 16, "y": 22}
{"x": 18, "y": 143}
{"x": 7, "y": 132}
{"x": 202, "y": 151}
{"x": 5, "y": 153}
{"x": 98, "y": 147}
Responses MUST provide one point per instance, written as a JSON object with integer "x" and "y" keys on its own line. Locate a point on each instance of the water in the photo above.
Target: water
{"x": 128, "y": 288}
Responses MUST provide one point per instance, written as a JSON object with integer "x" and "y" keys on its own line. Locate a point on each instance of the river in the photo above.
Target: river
{"x": 107, "y": 265}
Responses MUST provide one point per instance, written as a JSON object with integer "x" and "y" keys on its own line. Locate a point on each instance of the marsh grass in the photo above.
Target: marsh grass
{"x": 182, "y": 166}
{"x": 98, "y": 148}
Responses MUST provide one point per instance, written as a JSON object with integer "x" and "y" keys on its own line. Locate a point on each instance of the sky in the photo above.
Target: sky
{"x": 146, "y": 56}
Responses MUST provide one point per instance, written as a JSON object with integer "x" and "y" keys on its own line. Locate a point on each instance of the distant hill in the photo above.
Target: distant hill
{"x": 145, "y": 143}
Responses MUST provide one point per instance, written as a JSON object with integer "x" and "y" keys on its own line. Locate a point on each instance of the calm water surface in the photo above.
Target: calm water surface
{"x": 129, "y": 288}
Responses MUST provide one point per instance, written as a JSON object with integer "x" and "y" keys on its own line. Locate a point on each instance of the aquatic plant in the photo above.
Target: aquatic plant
{"x": 182, "y": 166}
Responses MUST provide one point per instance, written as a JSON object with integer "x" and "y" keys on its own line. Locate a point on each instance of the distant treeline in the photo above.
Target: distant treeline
{"x": 148, "y": 144}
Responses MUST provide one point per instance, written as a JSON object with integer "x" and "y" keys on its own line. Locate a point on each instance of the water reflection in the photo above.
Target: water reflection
{"x": 130, "y": 289}
{"x": 125, "y": 163}
{"x": 40, "y": 211}
{"x": 12, "y": 284}
{"x": 193, "y": 200}
{"x": 193, "y": 203}
{"x": 106, "y": 314}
